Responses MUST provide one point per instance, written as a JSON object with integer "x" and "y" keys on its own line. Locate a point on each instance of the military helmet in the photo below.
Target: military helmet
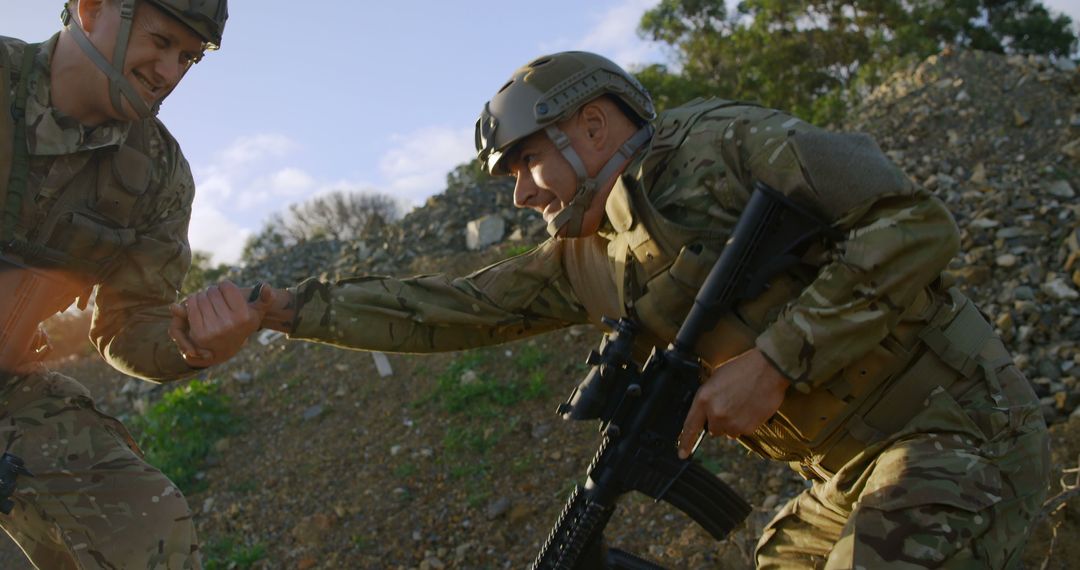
{"x": 204, "y": 17}
{"x": 548, "y": 90}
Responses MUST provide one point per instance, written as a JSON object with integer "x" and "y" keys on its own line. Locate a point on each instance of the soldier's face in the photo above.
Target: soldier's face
{"x": 160, "y": 50}
{"x": 545, "y": 181}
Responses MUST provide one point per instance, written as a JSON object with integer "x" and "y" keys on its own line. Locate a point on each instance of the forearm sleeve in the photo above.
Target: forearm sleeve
{"x": 519, "y": 297}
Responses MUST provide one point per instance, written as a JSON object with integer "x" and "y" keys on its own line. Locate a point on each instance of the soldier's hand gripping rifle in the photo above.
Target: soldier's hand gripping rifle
{"x": 642, "y": 410}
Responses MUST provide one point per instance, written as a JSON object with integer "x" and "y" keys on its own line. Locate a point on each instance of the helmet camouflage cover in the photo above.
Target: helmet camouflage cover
{"x": 547, "y": 90}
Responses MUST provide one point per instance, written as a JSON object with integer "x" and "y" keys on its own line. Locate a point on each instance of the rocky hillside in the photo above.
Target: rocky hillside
{"x": 998, "y": 138}
{"x": 457, "y": 461}
{"x": 441, "y": 228}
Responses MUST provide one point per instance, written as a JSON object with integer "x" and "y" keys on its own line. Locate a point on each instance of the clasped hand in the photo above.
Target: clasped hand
{"x": 211, "y": 326}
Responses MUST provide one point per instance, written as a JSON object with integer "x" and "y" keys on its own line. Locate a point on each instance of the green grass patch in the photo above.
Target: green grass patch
{"x": 362, "y": 542}
{"x": 405, "y": 470}
{"x": 243, "y": 487}
{"x": 519, "y": 249}
{"x": 178, "y": 432}
{"x": 530, "y": 357}
{"x": 477, "y": 498}
{"x": 228, "y": 553}
{"x": 523, "y": 464}
{"x": 536, "y": 386}
{"x": 467, "y": 387}
{"x": 468, "y": 439}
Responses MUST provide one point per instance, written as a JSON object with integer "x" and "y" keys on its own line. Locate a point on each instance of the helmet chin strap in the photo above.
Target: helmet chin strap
{"x": 572, "y": 216}
{"x": 113, "y": 71}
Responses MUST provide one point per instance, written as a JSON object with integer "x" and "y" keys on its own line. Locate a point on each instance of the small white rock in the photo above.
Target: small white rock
{"x": 1058, "y": 289}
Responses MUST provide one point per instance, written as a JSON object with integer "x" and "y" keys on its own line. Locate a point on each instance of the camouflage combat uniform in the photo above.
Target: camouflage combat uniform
{"x": 924, "y": 443}
{"x": 109, "y": 207}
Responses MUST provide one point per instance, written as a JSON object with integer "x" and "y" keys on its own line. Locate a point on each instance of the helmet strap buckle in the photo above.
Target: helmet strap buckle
{"x": 573, "y": 214}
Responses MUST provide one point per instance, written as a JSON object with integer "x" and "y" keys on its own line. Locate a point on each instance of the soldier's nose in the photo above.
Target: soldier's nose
{"x": 524, "y": 191}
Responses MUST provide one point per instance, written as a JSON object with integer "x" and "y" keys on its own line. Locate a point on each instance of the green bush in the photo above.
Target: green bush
{"x": 178, "y": 432}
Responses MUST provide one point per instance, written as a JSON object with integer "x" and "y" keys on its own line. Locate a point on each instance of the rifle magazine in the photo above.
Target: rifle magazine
{"x": 708, "y": 501}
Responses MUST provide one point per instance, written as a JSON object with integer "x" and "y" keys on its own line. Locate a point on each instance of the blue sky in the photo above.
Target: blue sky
{"x": 308, "y": 97}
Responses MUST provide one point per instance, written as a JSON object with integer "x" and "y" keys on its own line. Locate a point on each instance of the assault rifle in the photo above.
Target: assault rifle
{"x": 642, "y": 409}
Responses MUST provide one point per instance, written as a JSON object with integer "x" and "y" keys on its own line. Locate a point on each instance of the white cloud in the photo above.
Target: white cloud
{"x": 248, "y": 182}
{"x": 291, "y": 182}
{"x": 251, "y": 148}
{"x": 213, "y": 231}
{"x": 252, "y": 179}
{"x": 416, "y": 166}
{"x": 614, "y": 35}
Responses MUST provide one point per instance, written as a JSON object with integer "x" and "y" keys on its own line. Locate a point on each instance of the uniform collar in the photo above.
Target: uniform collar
{"x": 618, "y": 212}
{"x": 52, "y": 133}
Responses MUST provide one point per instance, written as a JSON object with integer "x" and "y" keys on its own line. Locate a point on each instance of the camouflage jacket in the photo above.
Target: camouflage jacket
{"x": 687, "y": 188}
{"x": 119, "y": 208}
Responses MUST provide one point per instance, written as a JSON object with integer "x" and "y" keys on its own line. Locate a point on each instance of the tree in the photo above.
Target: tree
{"x": 267, "y": 242}
{"x": 812, "y": 57}
{"x": 465, "y": 175}
{"x": 338, "y": 216}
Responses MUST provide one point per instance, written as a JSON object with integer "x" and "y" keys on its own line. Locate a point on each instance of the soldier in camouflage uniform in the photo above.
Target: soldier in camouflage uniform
{"x": 888, "y": 390}
{"x": 95, "y": 193}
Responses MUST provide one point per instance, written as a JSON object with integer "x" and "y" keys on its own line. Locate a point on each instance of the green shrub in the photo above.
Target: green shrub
{"x": 178, "y": 432}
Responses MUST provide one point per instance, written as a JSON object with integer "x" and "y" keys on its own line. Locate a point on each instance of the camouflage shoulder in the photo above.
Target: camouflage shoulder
{"x": 171, "y": 176}
{"x": 12, "y": 54}
{"x": 162, "y": 140}
{"x": 164, "y": 149}
{"x": 13, "y": 46}
{"x": 710, "y": 119}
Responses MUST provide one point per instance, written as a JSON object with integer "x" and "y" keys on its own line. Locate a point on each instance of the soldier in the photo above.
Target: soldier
{"x": 860, "y": 367}
{"x": 95, "y": 193}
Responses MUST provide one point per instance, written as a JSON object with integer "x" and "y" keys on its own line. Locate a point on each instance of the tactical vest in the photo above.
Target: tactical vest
{"x": 74, "y": 224}
{"x": 657, "y": 266}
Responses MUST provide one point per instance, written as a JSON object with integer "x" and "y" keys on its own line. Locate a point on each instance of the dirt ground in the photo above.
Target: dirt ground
{"x": 337, "y": 467}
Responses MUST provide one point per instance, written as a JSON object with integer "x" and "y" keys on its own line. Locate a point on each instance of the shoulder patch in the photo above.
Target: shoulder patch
{"x": 847, "y": 169}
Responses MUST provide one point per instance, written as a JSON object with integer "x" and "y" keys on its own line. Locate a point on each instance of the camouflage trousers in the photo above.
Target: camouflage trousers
{"x": 957, "y": 487}
{"x": 92, "y": 502}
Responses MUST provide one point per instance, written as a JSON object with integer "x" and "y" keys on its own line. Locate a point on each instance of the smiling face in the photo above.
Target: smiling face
{"x": 160, "y": 51}
{"x": 545, "y": 180}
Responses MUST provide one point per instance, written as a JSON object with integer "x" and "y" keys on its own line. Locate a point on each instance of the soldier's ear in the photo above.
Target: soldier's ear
{"x": 594, "y": 119}
{"x": 90, "y": 12}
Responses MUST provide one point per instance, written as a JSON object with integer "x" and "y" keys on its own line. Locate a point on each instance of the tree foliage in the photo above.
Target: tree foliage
{"x": 337, "y": 216}
{"x": 812, "y": 57}
{"x": 465, "y": 175}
